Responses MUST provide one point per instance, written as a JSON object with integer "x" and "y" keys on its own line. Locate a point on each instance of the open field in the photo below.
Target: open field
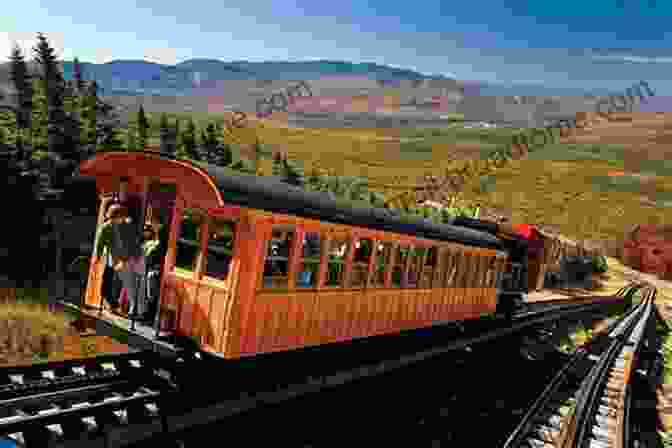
{"x": 569, "y": 185}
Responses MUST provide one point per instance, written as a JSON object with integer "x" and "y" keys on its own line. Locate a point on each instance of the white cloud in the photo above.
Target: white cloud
{"x": 161, "y": 55}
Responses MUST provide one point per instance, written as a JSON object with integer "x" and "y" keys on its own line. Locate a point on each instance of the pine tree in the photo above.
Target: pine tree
{"x": 209, "y": 138}
{"x": 143, "y": 129}
{"x": 77, "y": 76}
{"x": 54, "y": 87}
{"x": 244, "y": 166}
{"x": 189, "y": 140}
{"x": 178, "y": 135}
{"x": 110, "y": 137}
{"x": 89, "y": 116}
{"x": 163, "y": 132}
{"x": 23, "y": 86}
{"x": 294, "y": 174}
{"x": 203, "y": 149}
{"x": 131, "y": 138}
{"x": 39, "y": 118}
{"x": 278, "y": 168}
{"x": 227, "y": 155}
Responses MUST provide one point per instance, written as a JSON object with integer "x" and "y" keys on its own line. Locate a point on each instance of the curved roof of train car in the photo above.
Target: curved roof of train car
{"x": 270, "y": 194}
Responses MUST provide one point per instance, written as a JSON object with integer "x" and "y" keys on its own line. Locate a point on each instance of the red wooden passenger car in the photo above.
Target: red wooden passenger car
{"x": 256, "y": 266}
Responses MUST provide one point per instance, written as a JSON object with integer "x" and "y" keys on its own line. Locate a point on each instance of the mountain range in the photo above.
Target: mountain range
{"x": 143, "y": 78}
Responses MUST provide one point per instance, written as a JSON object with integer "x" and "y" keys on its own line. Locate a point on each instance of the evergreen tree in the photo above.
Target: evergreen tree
{"x": 23, "y": 86}
{"x": 278, "y": 168}
{"x": 244, "y": 166}
{"x": 109, "y": 136}
{"x": 54, "y": 88}
{"x": 188, "y": 143}
{"x": 227, "y": 155}
{"x": 202, "y": 149}
{"x": 143, "y": 129}
{"x": 89, "y": 116}
{"x": 209, "y": 138}
{"x": 77, "y": 76}
{"x": 178, "y": 135}
{"x": 107, "y": 125}
{"x": 39, "y": 117}
{"x": 131, "y": 138}
{"x": 292, "y": 173}
{"x": 163, "y": 132}
{"x": 168, "y": 136}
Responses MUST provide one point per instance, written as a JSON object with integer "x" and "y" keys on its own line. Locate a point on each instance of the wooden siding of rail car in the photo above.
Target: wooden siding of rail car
{"x": 265, "y": 321}
{"x": 245, "y": 321}
{"x": 203, "y": 305}
{"x": 291, "y": 318}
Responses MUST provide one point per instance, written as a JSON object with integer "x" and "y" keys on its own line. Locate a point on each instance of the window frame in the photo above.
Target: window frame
{"x": 297, "y": 240}
{"x": 209, "y": 223}
{"x": 196, "y": 270}
{"x": 348, "y": 239}
{"x": 300, "y": 260}
{"x": 359, "y": 264}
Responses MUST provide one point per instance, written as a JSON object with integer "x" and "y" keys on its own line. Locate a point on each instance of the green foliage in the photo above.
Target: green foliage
{"x": 89, "y": 115}
{"x": 188, "y": 140}
{"x": 600, "y": 264}
{"x": 143, "y": 128}
{"x": 23, "y": 86}
{"x": 244, "y": 166}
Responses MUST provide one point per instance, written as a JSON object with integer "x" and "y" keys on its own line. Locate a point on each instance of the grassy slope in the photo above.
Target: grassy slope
{"x": 564, "y": 185}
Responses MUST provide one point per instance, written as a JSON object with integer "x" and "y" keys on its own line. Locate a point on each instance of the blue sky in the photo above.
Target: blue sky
{"x": 596, "y": 43}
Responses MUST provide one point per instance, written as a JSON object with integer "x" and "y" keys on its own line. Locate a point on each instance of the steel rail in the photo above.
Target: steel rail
{"x": 517, "y": 436}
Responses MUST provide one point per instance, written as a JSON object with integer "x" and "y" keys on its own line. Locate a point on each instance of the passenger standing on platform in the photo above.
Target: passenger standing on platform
{"x": 110, "y": 290}
{"x": 154, "y": 250}
{"x": 121, "y": 237}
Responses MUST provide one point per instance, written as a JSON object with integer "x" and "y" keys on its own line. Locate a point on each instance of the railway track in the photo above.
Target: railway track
{"x": 362, "y": 383}
{"x": 411, "y": 406}
{"x": 55, "y": 404}
{"x": 105, "y": 398}
{"x": 585, "y": 404}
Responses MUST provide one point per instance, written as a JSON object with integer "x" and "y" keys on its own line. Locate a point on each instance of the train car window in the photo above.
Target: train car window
{"x": 475, "y": 279}
{"x": 188, "y": 242}
{"x": 413, "y": 276}
{"x": 220, "y": 248}
{"x": 383, "y": 255}
{"x": 360, "y": 263}
{"x": 450, "y": 267}
{"x": 427, "y": 269}
{"x": 399, "y": 266}
{"x": 439, "y": 268}
{"x": 338, "y": 252}
{"x": 276, "y": 266}
{"x": 309, "y": 264}
{"x": 462, "y": 262}
{"x": 495, "y": 271}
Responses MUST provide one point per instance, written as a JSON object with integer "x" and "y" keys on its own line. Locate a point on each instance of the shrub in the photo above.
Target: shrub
{"x": 600, "y": 264}
{"x": 29, "y": 330}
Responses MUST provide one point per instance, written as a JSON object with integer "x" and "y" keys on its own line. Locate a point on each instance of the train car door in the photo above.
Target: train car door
{"x": 160, "y": 207}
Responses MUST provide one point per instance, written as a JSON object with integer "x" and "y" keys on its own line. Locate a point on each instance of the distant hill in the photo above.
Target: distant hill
{"x": 138, "y": 77}
{"x": 142, "y": 78}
